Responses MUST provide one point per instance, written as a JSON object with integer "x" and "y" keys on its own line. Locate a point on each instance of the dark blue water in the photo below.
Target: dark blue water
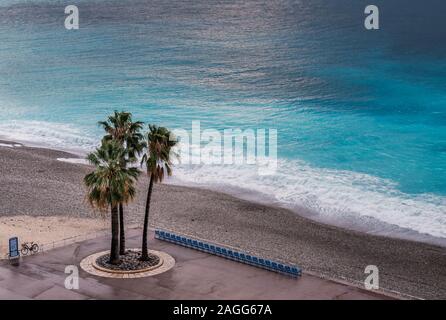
{"x": 361, "y": 115}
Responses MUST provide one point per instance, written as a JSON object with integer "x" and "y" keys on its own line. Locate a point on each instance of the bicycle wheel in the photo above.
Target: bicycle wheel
{"x": 24, "y": 251}
{"x": 35, "y": 248}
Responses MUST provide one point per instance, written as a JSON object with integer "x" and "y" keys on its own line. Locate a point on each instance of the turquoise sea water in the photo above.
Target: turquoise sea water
{"x": 360, "y": 115}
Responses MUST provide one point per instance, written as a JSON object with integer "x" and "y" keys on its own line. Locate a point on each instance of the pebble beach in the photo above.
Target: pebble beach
{"x": 34, "y": 184}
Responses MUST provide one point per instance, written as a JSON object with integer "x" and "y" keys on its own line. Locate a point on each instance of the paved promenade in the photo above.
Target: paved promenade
{"x": 196, "y": 275}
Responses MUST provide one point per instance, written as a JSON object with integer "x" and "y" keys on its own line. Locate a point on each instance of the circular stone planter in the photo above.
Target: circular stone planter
{"x": 166, "y": 262}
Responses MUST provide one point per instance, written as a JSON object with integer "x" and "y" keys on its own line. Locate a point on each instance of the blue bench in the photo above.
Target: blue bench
{"x": 296, "y": 271}
{"x": 228, "y": 253}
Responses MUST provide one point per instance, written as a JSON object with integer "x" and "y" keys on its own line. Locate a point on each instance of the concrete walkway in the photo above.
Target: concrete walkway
{"x": 196, "y": 275}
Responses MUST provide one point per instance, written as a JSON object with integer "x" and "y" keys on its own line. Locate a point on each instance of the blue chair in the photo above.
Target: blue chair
{"x": 290, "y": 270}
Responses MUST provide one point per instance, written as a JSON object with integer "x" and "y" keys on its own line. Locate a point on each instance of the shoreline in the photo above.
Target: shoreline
{"x": 352, "y": 223}
{"x": 317, "y": 247}
{"x": 363, "y": 224}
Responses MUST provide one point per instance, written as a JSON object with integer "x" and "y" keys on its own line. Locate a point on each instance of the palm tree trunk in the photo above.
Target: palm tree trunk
{"x": 114, "y": 250}
{"x": 121, "y": 230}
{"x": 145, "y": 251}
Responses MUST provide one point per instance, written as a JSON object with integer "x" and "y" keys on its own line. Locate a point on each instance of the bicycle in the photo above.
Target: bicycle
{"x": 29, "y": 247}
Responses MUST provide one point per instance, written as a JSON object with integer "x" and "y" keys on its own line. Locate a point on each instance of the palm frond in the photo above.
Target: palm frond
{"x": 110, "y": 183}
{"x": 158, "y": 156}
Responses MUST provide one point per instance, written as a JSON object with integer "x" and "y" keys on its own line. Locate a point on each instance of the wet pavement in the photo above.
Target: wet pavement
{"x": 196, "y": 275}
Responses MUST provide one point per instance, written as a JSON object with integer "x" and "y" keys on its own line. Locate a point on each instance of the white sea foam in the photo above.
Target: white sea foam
{"x": 54, "y": 135}
{"x": 74, "y": 160}
{"x": 334, "y": 194}
{"x": 10, "y": 145}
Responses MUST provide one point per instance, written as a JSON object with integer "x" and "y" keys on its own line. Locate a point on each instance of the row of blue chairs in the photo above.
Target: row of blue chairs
{"x": 229, "y": 253}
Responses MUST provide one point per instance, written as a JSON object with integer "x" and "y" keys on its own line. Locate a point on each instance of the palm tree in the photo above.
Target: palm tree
{"x": 121, "y": 128}
{"x": 110, "y": 184}
{"x": 157, "y": 159}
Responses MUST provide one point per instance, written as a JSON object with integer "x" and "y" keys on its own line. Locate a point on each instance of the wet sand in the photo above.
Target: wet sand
{"x": 33, "y": 182}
